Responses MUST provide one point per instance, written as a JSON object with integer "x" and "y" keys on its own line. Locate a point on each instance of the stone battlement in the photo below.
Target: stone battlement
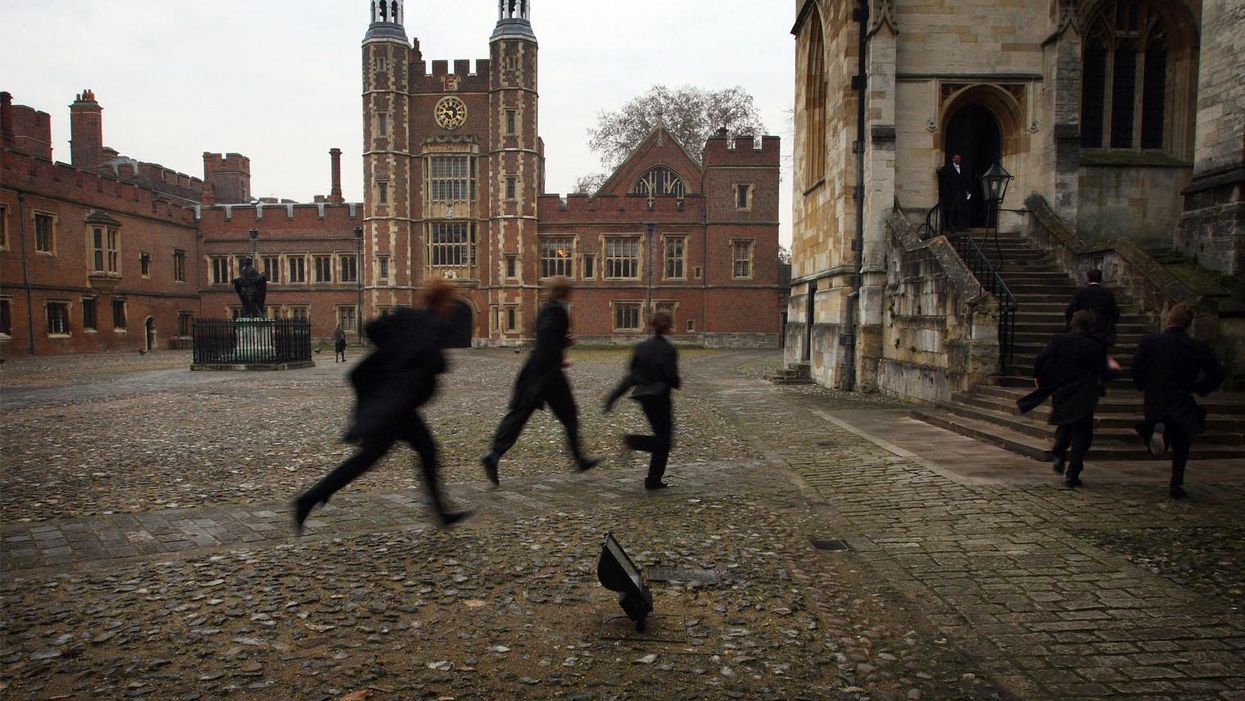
{"x": 721, "y": 150}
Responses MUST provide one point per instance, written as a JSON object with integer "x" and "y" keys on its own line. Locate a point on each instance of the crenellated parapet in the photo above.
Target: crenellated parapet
{"x": 721, "y": 150}
{"x": 436, "y": 76}
{"x": 26, "y": 173}
{"x": 554, "y": 208}
{"x": 289, "y": 216}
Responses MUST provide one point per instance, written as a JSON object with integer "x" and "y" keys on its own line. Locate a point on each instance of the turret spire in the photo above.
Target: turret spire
{"x": 513, "y": 20}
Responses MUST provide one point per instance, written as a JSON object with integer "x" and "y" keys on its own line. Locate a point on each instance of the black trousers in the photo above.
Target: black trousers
{"x": 561, "y": 402}
{"x": 1072, "y": 441}
{"x": 1180, "y": 443}
{"x": 660, "y": 415}
{"x": 372, "y": 449}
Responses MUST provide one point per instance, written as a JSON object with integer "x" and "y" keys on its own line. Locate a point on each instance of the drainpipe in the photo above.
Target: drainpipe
{"x": 860, "y": 82}
{"x": 30, "y": 303}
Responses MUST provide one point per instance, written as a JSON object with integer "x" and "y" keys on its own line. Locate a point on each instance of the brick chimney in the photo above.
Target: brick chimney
{"x": 86, "y": 132}
{"x": 6, "y": 119}
{"x": 335, "y": 194}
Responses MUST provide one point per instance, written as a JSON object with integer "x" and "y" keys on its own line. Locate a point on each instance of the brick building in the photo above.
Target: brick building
{"x": 454, "y": 181}
{"x": 109, "y": 252}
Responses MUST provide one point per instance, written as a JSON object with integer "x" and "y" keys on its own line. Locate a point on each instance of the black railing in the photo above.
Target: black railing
{"x": 987, "y": 276}
{"x": 251, "y": 341}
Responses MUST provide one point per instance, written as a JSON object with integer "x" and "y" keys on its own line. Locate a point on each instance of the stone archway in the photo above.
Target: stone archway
{"x": 461, "y": 325}
{"x": 974, "y": 133}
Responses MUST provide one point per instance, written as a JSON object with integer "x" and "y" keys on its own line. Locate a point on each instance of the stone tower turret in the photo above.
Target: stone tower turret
{"x": 515, "y": 170}
{"x": 387, "y": 163}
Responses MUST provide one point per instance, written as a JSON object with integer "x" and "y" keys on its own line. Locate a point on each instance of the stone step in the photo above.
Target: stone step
{"x": 1112, "y": 415}
{"x": 1122, "y": 396}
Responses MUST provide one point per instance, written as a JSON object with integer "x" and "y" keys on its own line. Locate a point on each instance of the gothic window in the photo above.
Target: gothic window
{"x": 676, "y": 257}
{"x": 382, "y": 268}
{"x": 626, "y": 316}
{"x": 220, "y": 270}
{"x": 323, "y": 268}
{"x": 814, "y": 103}
{"x": 1127, "y": 77}
{"x": 179, "y": 265}
{"x": 272, "y": 269}
{"x": 349, "y": 268}
{"x": 659, "y": 180}
{"x": 741, "y": 255}
{"x": 622, "y": 257}
{"x": 45, "y": 232}
{"x": 298, "y": 269}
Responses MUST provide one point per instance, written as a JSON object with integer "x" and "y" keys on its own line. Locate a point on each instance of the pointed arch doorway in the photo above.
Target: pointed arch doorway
{"x": 974, "y": 132}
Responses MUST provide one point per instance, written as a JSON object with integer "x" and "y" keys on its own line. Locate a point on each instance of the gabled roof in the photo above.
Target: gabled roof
{"x": 659, "y": 148}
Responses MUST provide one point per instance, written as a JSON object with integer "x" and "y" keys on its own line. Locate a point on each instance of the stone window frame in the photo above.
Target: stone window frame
{"x": 382, "y": 193}
{"x": 322, "y": 268}
{"x": 58, "y": 323}
{"x": 185, "y": 324}
{"x": 347, "y": 263}
{"x": 382, "y": 124}
{"x": 588, "y": 266}
{"x": 613, "y": 259}
{"x": 510, "y": 318}
{"x": 620, "y": 308}
{"x": 270, "y": 265}
{"x": 90, "y": 314}
{"x": 301, "y": 267}
{"x": 120, "y": 312}
{"x": 451, "y": 248}
{"x": 512, "y": 188}
{"x": 554, "y": 265}
{"x": 666, "y": 241}
{"x": 382, "y": 268}
{"x": 179, "y": 265}
{"x": 512, "y": 122}
{"x": 216, "y": 272}
{"x": 295, "y": 312}
{"x": 4, "y": 227}
{"x": 665, "y": 180}
{"x": 691, "y": 326}
{"x": 748, "y": 261}
{"x": 511, "y": 261}
{"x": 52, "y": 234}
{"x": 347, "y": 316}
{"x": 103, "y": 246}
{"x": 451, "y": 177}
{"x": 6, "y": 316}
{"x": 744, "y": 191}
{"x": 814, "y": 116}
{"x": 144, "y": 264}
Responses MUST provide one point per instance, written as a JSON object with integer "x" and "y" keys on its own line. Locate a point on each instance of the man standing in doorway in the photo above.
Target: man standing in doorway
{"x": 543, "y": 381}
{"x": 955, "y": 190}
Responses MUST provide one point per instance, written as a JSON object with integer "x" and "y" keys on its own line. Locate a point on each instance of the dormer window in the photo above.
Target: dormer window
{"x": 659, "y": 181}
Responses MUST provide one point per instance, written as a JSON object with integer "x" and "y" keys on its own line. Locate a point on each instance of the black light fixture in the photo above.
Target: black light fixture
{"x": 996, "y": 180}
{"x": 617, "y": 572}
{"x": 254, "y": 234}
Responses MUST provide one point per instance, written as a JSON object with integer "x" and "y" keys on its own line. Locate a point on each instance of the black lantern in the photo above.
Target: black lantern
{"x": 254, "y": 234}
{"x": 617, "y": 572}
{"x": 995, "y": 181}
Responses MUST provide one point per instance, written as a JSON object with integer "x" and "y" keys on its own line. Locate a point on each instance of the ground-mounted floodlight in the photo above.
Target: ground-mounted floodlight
{"x": 617, "y": 572}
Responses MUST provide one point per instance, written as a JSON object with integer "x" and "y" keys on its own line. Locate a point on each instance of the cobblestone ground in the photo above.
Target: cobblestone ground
{"x": 146, "y": 553}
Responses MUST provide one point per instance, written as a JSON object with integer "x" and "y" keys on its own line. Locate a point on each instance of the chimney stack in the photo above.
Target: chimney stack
{"x": 86, "y": 132}
{"x": 335, "y": 194}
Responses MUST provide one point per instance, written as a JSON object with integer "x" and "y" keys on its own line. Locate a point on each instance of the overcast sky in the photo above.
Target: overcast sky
{"x": 280, "y": 80}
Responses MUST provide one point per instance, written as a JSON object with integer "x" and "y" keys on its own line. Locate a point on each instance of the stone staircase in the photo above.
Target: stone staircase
{"x": 989, "y": 412}
{"x": 798, "y": 374}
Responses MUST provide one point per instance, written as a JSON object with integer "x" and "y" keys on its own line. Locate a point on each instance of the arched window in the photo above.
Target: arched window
{"x": 1127, "y": 77}
{"x": 815, "y": 102}
{"x": 659, "y": 180}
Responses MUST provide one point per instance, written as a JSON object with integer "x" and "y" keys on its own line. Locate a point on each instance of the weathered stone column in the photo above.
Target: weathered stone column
{"x": 1212, "y": 228}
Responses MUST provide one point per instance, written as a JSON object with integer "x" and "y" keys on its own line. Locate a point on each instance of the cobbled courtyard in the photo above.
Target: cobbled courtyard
{"x": 147, "y": 550}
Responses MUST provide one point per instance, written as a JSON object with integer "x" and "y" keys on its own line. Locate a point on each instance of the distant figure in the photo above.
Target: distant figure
{"x": 955, "y": 190}
{"x": 339, "y": 344}
{"x": 252, "y": 289}
{"x": 654, "y": 375}
{"x": 391, "y": 383}
{"x": 1101, "y": 302}
{"x": 1071, "y": 370}
{"x": 542, "y": 381}
{"x": 1170, "y": 367}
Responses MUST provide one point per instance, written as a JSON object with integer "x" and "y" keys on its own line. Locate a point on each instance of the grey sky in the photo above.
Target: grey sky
{"x": 279, "y": 81}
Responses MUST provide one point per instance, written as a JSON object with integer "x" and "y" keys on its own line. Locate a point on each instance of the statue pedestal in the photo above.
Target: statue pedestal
{"x": 254, "y": 340}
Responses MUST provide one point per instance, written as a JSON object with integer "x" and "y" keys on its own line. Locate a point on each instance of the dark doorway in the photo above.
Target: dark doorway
{"x": 974, "y": 133}
{"x": 150, "y": 327}
{"x": 810, "y": 302}
{"x": 460, "y": 326}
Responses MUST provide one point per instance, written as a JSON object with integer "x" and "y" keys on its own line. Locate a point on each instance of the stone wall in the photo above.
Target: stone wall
{"x": 1139, "y": 203}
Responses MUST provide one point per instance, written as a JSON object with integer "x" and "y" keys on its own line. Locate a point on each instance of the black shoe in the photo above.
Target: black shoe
{"x": 1177, "y": 492}
{"x": 1158, "y": 439}
{"x": 1058, "y": 464}
{"x": 302, "y": 508}
{"x": 588, "y": 463}
{"x": 489, "y": 461}
{"x": 1072, "y": 482}
{"x": 449, "y": 518}
{"x": 655, "y": 485}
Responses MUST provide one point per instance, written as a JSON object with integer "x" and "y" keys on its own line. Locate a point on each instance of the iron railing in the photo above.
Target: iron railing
{"x": 987, "y": 276}
{"x": 251, "y": 341}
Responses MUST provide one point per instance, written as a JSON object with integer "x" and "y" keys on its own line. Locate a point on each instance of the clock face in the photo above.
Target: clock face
{"x": 450, "y": 112}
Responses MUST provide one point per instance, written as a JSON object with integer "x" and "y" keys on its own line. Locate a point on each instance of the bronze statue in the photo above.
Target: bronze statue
{"x": 252, "y": 288}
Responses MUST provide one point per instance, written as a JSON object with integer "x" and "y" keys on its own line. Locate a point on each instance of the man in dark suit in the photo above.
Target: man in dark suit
{"x": 1170, "y": 367}
{"x": 542, "y": 381}
{"x": 955, "y": 190}
{"x": 1101, "y": 302}
{"x": 1070, "y": 370}
{"x": 391, "y": 383}
{"x": 652, "y": 377}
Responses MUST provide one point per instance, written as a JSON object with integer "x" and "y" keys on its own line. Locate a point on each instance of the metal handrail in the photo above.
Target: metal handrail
{"x": 987, "y": 276}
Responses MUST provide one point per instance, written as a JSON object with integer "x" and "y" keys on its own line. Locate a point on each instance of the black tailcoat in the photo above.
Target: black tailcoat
{"x": 399, "y": 375}
{"x": 542, "y": 374}
{"x": 1170, "y": 367}
{"x": 1070, "y": 370}
{"x": 1101, "y": 302}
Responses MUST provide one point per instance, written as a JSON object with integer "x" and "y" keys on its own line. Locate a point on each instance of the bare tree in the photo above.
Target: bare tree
{"x": 589, "y": 184}
{"x": 691, "y": 114}
{"x": 784, "y": 254}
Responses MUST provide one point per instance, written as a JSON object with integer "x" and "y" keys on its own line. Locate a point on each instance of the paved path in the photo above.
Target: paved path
{"x": 990, "y": 548}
